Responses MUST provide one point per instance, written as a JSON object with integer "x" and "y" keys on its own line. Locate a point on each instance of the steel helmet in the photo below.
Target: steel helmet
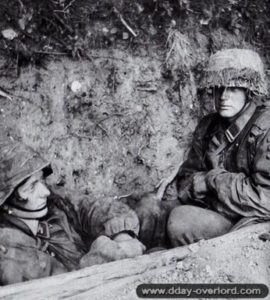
{"x": 17, "y": 163}
{"x": 235, "y": 68}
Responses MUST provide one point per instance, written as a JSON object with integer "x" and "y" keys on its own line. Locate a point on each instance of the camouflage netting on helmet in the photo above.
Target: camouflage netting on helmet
{"x": 17, "y": 163}
{"x": 235, "y": 68}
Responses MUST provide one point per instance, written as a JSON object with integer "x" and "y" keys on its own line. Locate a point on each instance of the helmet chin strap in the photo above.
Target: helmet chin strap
{"x": 23, "y": 213}
{"x": 240, "y": 112}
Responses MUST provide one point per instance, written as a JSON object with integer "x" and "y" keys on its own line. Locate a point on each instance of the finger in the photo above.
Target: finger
{"x": 138, "y": 247}
{"x": 132, "y": 248}
{"x": 142, "y": 246}
{"x": 99, "y": 242}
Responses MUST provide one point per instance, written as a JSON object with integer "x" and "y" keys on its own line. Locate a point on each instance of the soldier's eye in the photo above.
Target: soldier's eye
{"x": 210, "y": 91}
{"x": 219, "y": 90}
{"x": 32, "y": 185}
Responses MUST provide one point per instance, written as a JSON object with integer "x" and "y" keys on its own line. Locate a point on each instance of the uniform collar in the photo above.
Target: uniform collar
{"x": 17, "y": 222}
{"x": 23, "y": 213}
{"x": 32, "y": 227}
{"x": 238, "y": 125}
{"x": 32, "y": 224}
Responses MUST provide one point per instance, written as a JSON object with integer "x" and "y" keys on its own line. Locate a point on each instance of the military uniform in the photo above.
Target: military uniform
{"x": 229, "y": 161}
{"x": 230, "y": 156}
{"x": 65, "y": 234}
{"x": 237, "y": 163}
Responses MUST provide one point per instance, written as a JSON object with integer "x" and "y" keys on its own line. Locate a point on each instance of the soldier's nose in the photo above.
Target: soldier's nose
{"x": 224, "y": 95}
{"x": 44, "y": 190}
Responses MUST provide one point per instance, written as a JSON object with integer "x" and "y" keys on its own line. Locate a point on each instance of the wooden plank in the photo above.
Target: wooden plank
{"x": 91, "y": 277}
{"x": 89, "y": 282}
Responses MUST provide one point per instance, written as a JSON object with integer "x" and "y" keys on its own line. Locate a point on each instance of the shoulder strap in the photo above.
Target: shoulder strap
{"x": 262, "y": 117}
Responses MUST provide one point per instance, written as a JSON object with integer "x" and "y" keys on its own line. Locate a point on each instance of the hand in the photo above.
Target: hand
{"x": 199, "y": 187}
{"x": 152, "y": 218}
{"x": 131, "y": 246}
{"x": 104, "y": 250}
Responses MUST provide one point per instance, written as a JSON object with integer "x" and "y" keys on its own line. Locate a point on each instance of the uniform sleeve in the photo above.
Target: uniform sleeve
{"x": 19, "y": 263}
{"x": 107, "y": 217}
{"x": 194, "y": 162}
{"x": 94, "y": 217}
{"x": 247, "y": 195}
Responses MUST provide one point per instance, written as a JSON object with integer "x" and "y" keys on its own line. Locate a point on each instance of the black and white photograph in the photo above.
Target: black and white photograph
{"x": 134, "y": 149}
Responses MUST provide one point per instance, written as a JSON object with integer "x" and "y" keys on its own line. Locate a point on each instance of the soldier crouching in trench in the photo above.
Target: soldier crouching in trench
{"x": 43, "y": 234}
{"x": 224, "y": 184}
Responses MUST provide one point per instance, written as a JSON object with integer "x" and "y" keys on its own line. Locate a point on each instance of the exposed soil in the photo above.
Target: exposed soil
{"x": 114, "y": 133}
{"x": 117, "y": 122}
{"x": 115, "y": 113}
{"x": 240, "y": 258}
{"x": 106, "y": 90}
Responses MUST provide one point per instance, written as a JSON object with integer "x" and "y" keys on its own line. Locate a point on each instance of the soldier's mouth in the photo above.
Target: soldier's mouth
{"x": 224, "y": 107}
{"x": 42, "y": 204}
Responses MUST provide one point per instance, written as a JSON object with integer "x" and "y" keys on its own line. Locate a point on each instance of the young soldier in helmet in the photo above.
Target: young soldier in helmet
{"x": 225, "y": 182}
{"x": 42, "y": 235}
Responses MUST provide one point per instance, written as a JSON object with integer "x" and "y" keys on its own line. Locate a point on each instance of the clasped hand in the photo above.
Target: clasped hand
{"x": 198, "y": 186}
{"x": 131, "y": 246}
{"x": 105, "y": 249}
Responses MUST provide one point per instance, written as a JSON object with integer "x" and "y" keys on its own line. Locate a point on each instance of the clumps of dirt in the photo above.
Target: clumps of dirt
{"x": 206, "y": 269}
{"x": 116, "y": 122}
{"x": 105, "y": 123}
{"x": 121, "y": 118}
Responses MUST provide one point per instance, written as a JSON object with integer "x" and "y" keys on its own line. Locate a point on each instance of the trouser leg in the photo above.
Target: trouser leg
{"x": 188, "y": 224}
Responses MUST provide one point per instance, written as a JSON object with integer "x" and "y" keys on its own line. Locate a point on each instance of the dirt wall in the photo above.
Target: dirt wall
{"x": 117, "y": 122}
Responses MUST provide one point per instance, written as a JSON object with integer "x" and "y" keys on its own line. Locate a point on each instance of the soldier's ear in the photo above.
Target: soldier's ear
{"x": 17, "y": 197}
{"x": 25, "y": 189}
{"x": 22, "y": 193}
{"x": 249, "y": 95}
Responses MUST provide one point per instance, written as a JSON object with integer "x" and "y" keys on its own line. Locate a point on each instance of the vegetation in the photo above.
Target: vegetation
{"x": 34, "y": 29}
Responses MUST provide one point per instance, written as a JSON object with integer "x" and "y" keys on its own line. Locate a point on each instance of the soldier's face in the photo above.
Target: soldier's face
{"x": 229, "y": 101}
{"x": 35, "y": 191}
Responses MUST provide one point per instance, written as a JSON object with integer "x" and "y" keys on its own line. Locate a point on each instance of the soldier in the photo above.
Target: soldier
{"x": 225, "y": 182}
{"x": 43, "y": 234}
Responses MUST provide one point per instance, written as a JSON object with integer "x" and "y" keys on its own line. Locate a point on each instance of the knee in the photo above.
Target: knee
{"x": 188, "y": 224}
{"x": 179, "y": 226}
